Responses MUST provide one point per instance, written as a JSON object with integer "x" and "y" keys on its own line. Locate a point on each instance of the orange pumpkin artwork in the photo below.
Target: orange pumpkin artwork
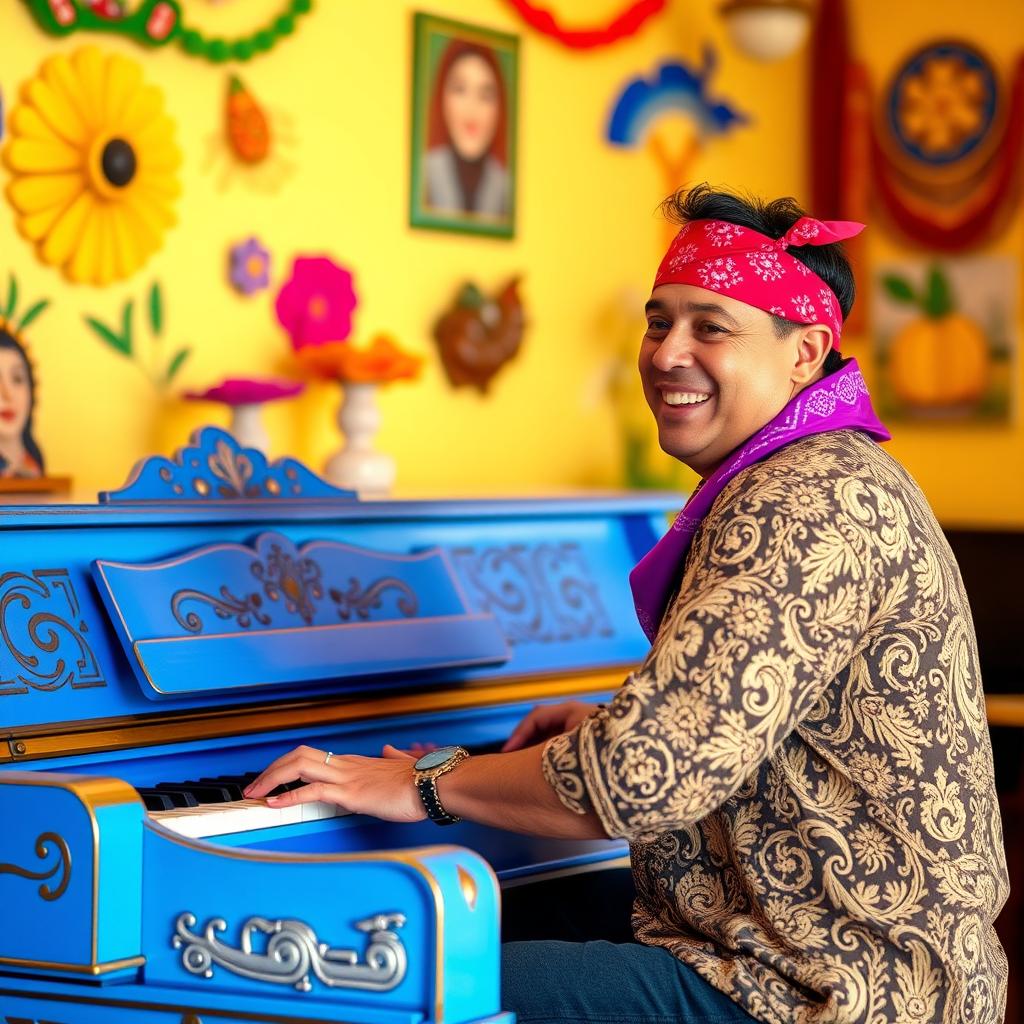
{"x": 947, "y": 353}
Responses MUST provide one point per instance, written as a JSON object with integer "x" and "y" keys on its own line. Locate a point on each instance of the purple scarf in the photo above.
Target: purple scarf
{"x": 837, "y": 402}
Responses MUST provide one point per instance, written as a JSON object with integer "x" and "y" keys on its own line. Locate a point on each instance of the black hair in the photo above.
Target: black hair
{"x": 774, "y": 219}
{"x": 10, "y": 342}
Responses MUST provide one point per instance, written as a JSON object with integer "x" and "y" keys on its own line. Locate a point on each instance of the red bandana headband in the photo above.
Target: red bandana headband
{"x": 746, "y": 265}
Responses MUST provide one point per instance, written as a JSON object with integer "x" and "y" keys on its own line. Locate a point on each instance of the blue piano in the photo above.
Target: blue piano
{"x": 163, "y": 645}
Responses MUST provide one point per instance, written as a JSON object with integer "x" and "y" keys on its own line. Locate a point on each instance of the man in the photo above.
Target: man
{"x": 802, "y": 763}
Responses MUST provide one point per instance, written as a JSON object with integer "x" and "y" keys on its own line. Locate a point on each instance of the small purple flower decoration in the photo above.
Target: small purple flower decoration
{"x": 250, "y": 266}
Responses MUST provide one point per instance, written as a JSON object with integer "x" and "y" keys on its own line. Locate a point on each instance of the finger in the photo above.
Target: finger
{"x": 521, "y": 735}
{"x": 393, "y": 752}
{"x": 533, "y": 725}
{"x": 306, "y": 770}
{"x": 315, "y": 792}
{"x": 420, "y": 749}
{"x": 292, "y": 757}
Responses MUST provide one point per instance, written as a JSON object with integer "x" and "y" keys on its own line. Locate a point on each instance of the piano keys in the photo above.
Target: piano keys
{"x": 161, "y": 647}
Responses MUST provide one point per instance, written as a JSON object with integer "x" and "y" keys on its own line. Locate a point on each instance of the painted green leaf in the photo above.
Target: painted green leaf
{"x": 12, "y": 298}
{"x": 899, "y": 288}
{"x": 176, "y": 364}
{"x": 113, "y": 339}
{"x": 126, "y": 325}
{"x": 156, "y": 308}
{"x": 32, "y": 313}
{"x": 938, "y": 298}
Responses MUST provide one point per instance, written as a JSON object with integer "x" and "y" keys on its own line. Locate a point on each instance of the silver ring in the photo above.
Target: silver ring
{"x": 327, "y": 759}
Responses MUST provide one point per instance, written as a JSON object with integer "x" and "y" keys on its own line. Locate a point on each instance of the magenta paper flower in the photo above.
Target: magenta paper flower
{"x": 250, "y": 266}
{"x": 240, "y": 391}
{"x": 315, "y": 304}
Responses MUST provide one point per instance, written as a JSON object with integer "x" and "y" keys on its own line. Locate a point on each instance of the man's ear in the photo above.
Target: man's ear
{"x": 813, "y": 344}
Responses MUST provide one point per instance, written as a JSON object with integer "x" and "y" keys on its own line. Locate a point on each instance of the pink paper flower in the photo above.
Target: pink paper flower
{"x": 315, "y": 304}
{"x": 241, "y": 391}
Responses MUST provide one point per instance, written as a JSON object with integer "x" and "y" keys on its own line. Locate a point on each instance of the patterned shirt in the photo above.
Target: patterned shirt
{"x": 802, "y": 763}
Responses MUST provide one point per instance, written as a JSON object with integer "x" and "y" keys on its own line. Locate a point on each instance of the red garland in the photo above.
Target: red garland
{"x": 588, "y": 38}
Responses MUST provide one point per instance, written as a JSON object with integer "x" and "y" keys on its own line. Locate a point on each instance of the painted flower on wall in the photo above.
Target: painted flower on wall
{"x": 250, "y": 266}
{"x": 315, "y": 304}
{"x": 943, "y": 104}
{"x": 94, "y": 165}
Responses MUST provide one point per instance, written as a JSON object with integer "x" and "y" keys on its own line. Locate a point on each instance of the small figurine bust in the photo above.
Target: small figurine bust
{"x": 19, "y": 454}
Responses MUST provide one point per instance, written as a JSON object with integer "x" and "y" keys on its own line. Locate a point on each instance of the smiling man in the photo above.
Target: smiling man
{"x": 802, "y": 763}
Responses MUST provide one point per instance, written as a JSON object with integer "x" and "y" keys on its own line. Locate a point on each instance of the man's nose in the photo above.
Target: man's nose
{"x": 675, "y": 350}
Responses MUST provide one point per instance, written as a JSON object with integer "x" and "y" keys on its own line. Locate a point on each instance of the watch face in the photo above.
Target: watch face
{"x": 435, "y": 758}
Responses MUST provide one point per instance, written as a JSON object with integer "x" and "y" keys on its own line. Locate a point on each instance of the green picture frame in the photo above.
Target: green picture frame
{"x": 464, "y": 128}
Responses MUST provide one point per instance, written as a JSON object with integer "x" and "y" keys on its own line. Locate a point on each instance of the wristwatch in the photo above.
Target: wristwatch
{"x": 427, "y": 770}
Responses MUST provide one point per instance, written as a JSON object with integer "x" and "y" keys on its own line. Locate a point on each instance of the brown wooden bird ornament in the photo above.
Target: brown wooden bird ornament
{"x": 478, "y": 335}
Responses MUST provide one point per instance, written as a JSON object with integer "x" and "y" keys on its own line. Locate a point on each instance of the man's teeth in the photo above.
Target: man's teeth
{"x": 683, "y": 397}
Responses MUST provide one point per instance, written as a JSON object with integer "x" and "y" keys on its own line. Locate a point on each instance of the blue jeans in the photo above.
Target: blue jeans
{"x": 611, "y": 983}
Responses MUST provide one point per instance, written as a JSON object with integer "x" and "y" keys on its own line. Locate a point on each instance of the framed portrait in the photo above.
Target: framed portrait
{"x": 464, "y": 108}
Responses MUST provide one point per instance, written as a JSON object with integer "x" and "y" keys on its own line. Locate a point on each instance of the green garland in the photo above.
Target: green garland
{"x": 157, "y": 22}
{"x": 261, "y": 41}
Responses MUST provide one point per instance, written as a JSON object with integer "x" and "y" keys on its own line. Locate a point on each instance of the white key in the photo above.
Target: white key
{"x": 240, "y": 816}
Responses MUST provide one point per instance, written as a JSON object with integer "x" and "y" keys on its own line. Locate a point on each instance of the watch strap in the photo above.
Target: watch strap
{"x": 432, "y": 802}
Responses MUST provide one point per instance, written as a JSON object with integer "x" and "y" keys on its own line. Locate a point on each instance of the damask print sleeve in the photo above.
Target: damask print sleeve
{"x": 774, "y": 602}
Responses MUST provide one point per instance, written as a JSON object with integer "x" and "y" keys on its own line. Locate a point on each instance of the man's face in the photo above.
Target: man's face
{"x": 713, "y": 372}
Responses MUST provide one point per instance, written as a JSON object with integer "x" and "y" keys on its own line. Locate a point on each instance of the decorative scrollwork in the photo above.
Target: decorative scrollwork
{"x": 295, "y": 579}
{"x": 361, "y": 600}
{"x": 233, "y": 468}
{"x": 242, "y": 609}
{"x": 293, "y": 952}
{"x": 215, "y": 467}
{"x": 542, "y": 594}
{"x": 61, "y": 865}
{"x": 49, "y": 648}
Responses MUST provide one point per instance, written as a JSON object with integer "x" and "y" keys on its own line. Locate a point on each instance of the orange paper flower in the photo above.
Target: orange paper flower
{"x": 380, "y": 362}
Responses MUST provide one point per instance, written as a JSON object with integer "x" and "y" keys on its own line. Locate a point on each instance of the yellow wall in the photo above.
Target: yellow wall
{"x": 586, "y": 232}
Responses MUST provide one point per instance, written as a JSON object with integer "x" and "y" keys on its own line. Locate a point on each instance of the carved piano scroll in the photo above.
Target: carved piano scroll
{"x": 295, "y": 581}
{"x": 43, "y": 631}
{"x": 216, "y": 468}
{"x": 292, "y": 953}
{"x": 227, "y": 616}
{"x": 539, "y": 594}
{"x": 46, "y": 843}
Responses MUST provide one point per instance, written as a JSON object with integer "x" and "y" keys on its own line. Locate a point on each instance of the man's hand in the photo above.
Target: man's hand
{"x": 381, "y": 786}
{"x": 547, "y": 720}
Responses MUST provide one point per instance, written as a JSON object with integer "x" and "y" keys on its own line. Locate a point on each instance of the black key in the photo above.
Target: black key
{"x": 155, "y": 801}
{"x": 206, "y": 792}
{"x": 234, "y": 789}
{"x": 177, "y": 798}
{"x": 176, "y": 790}
{"x": 242, "y": 780}
{"x": 286, "y": 787}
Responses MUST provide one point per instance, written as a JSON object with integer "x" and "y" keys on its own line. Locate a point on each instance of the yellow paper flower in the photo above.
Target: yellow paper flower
{"x": 95, "y": 165}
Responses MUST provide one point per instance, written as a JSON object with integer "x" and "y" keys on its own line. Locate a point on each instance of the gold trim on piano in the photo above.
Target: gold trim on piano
{"x": 1005, "y": 708}
{"x": 129, "y": 732}
{"x": 93, "y": 969}
{"x": 92, "y": 792}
